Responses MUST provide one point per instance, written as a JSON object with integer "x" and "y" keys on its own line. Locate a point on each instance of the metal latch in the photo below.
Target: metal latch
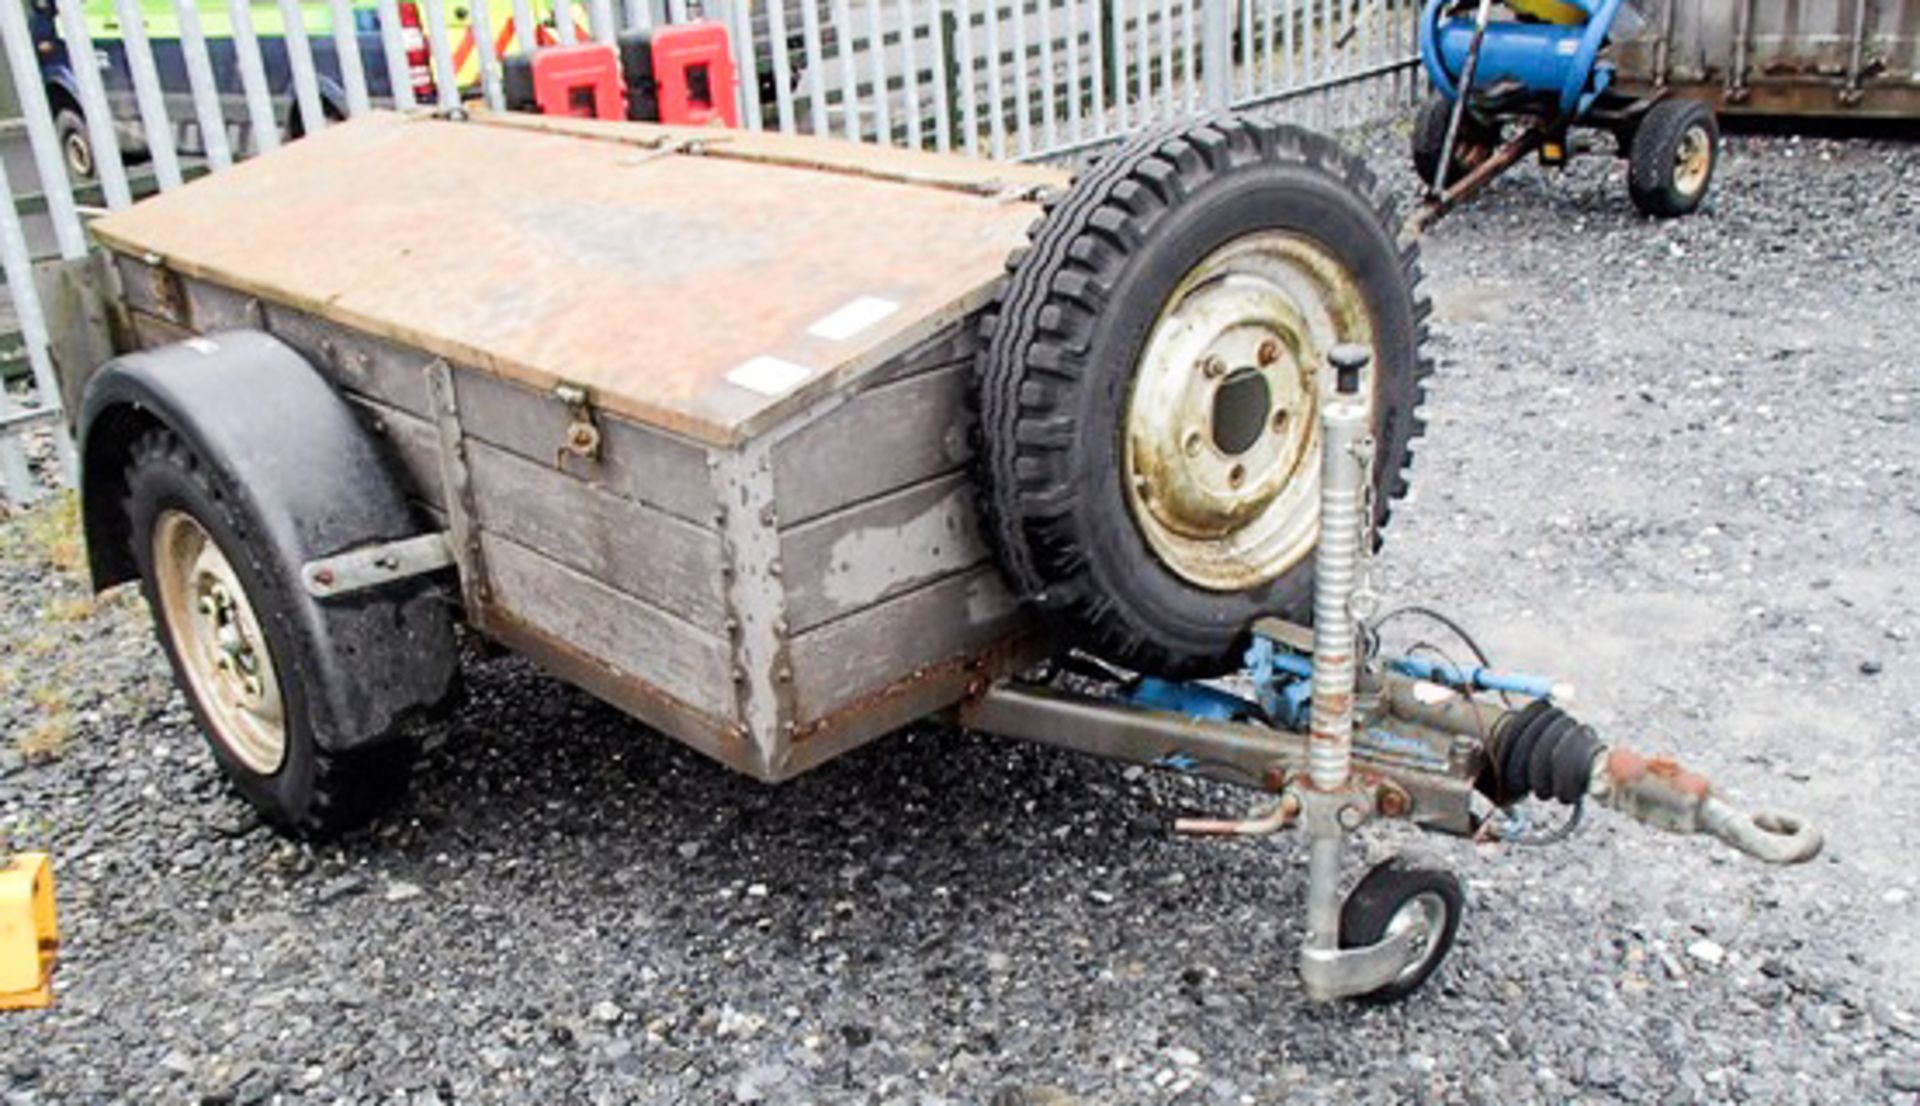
{"x": 583, "y": 434}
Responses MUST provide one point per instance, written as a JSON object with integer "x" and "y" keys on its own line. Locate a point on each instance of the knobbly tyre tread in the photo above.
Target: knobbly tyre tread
{"x": 1046, "y": 312}
{"x": 341, "y": 790}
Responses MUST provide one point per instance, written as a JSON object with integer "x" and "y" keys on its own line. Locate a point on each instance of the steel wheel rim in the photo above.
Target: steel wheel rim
{"x": 1692, "y": 159}
{"x": 1426, "y": 909}
{"x": 1266, "y": 306}
{"x": 79, "y": 154}
{"x": 217, "y": 637}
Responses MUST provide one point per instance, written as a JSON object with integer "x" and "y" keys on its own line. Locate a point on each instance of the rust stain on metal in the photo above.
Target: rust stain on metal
{"x": 1627, "y": 767}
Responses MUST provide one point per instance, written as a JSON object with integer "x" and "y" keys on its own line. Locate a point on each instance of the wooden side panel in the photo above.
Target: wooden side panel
{"x": 414, "y": 444}
{"x": 681, "y": 660}
{"x": 647, "y": 466}
{"x": 668, "y": 563}
{"x": 880, "y": 548}
{"x": 884, "y": 438}
{"x": 844, "y": 660}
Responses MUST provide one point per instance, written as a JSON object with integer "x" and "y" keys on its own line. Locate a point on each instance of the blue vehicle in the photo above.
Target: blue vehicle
{"x": 1522, "y": 83}
{"x": 162, "y": 25}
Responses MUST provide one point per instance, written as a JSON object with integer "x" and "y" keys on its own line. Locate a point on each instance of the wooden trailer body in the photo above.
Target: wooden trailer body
{"x": 690, "y": 405}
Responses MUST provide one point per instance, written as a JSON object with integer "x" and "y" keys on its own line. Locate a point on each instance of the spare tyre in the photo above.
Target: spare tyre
{"x": 1150, "y": 384}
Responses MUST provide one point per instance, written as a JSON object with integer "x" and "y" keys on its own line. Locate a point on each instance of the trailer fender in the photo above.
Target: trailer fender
{"x": 313, "y": 482}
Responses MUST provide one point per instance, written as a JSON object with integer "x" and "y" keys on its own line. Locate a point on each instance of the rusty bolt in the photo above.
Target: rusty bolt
{"x": 1211, "y": 366}
{"x": 323, "y": 577}
{"x": 1269, "y": 352}
{"x": 1275, "y": 778}
{"x": 784, "y": 675}
{"x": 1394, "y": 802}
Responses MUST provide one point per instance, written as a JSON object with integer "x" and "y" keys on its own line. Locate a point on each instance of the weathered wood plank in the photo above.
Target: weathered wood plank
{"x": 843, "y": 660}
{"x": 882, "y": 439}
{"x": 667, "y": 562}
{"x": 644, "y": 465}
{"x": 880, "y": 548}
{"x": 678, "y": 658}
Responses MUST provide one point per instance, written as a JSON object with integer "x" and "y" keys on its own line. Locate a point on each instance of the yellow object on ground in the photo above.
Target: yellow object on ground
{"x": 28, "y": 937}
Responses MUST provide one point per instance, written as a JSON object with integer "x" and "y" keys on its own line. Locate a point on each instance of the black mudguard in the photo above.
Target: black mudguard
{"x": 315, "y": 482}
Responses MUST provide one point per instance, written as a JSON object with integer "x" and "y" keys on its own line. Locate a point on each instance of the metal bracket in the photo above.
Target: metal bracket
{"x": 1342, "y": 973}
{"x": 372, "y": 566}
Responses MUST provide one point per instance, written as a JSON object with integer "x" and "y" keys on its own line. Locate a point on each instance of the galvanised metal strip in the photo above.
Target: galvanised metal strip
{"x": 446, "y": 80}
{"x": 346, "y": 44}
{"x": 1249, "y": 47}
{"x": 746, "y": 61}
{"x": 1190, "y": 49}
{"x": 1022, "y": 101}
{"x": 206, "y": 94}
{"x": 480, "y": 22}
{"x": 157, "y": 127}
{"x": 877, "y": 53}
{"x": 85, "y": 64}
{"x": 600, "y": 20}
{"x": 937, "y": 37}
{"x": 968, "y": 141}
{"x": 399, "y": 73}
{"x": 40, "y": 133}
{"x": 1119, "y": 37}
{"x": 782, "y": 66}
{"x": 306, "y": 83}
{"x": 1074, "y": 115}
{"x": 849, "y": 75}
{"x": 563, "y": 21}
{"x": 997, "y": 112}
{"x": 910, "y": 63}
{"x": 261, "y": 122}
{"x": 18, "y": 265}
{"x": 1166, "y": 57}
{"x": 1049, "y": 82}
{"x": 1145, "y": 65}
{"x": 640, "y": 14}
{"x": 525, "y": 26}
{"x": 816, "y": 73}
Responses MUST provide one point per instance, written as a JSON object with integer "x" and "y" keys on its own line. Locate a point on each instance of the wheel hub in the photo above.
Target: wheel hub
{"x": 218, "y": 640}
{"x": 1222, "y": 427}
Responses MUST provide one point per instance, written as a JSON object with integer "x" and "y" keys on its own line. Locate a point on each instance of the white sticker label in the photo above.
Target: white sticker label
{"x": 769, "y": 376}
{"x": 203, "y": 346}
{"x": 856, "y": 316}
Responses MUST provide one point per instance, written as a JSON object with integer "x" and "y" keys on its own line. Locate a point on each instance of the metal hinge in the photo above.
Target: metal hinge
{"x": 372, "y": 566}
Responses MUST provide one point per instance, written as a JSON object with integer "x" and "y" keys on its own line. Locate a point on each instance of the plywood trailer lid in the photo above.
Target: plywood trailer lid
{"x": 705, "y": 282}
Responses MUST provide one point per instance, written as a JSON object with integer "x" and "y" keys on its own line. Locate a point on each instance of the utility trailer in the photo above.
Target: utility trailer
{"x": 780, "y": 444}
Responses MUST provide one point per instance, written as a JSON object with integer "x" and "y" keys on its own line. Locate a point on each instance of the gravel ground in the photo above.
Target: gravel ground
{"x": 1673, "y": 462}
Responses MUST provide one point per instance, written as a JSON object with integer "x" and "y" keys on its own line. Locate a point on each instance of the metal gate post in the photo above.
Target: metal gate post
{"x": 1217, "y": 51}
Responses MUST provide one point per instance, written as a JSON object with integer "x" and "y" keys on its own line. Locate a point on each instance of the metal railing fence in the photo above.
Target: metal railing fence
{"x": 188, "y": 86}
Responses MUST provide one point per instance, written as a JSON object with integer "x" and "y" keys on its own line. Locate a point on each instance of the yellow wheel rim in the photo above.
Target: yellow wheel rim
{"x": 214, "y": 632}
{"x": 1692, "y": 160}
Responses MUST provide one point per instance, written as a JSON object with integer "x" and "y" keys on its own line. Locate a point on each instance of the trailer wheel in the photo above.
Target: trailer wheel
{"x": 1675, "y": 150}
{"x": 1396, "y": 895}
{"x": 1149, "y": 442}
{"x": 223, "y": 615}
{"x": 1474, "y": 144}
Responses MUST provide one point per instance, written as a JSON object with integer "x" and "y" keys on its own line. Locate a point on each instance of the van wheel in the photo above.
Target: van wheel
{"x": 76, "y": 145}
{"x": 223, "y": 615}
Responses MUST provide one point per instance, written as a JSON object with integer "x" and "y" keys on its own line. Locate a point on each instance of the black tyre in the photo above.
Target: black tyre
{"x": 1675, "y": 150}
{"x": 1474, "y": 144}
{"x": 1149, "y": 390}
{"x": 76, "y": 145}
{"x": 223, "y": 614}
{"x": 1394, "y": 895}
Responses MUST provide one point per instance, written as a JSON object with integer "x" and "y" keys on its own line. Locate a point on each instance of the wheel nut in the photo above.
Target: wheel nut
{"x": 1211, "y": 366}
{"x": 1269, "y": 352}
{"x": 1236, "y": 475}
{"x": 206, "y": 606}
{"x": 254, "y": 687}
{"x": 1191, "y": 443}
